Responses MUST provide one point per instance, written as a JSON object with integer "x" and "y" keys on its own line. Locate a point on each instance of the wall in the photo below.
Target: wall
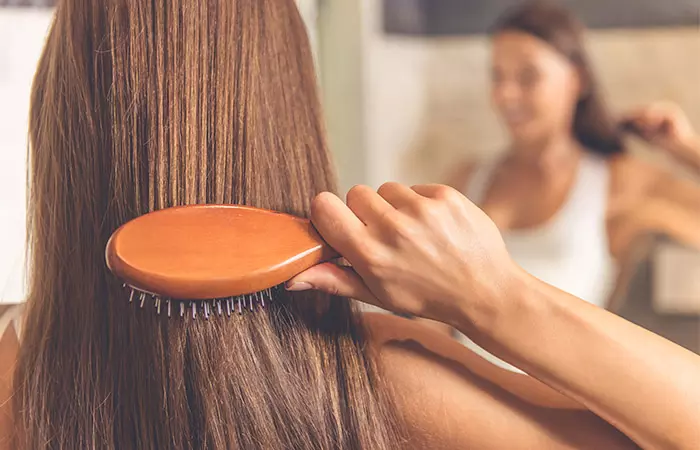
{"x": 341, "y": 64}
{"x": 395, "y": 95}
{"x": 22, "y": 33}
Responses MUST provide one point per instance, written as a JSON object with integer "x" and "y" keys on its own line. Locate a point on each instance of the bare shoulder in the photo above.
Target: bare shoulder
{"x": 647, "y": 199}
{"x": 9, "y": 347}
{"x": 403, "y": 343}
{"x": 632, "y": 176}
{"x": 451, "y": 398}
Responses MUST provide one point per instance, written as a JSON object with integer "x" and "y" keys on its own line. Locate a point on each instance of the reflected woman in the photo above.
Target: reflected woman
{"x": 569, "y": 200}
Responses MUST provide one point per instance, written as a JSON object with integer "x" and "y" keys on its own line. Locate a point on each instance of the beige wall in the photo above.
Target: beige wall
{"x": 22, "y": 33}
{"x": 395, "y": 92}
{"x": 428, "y": 100}
{"x": 341, "y": 62}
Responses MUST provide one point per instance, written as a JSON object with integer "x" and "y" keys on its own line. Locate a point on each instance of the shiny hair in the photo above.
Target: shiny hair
{"x": 139, "y": 105}
{"x": 550, "y": 22}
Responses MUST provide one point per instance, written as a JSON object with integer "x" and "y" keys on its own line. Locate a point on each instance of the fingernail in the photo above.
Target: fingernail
{"x": 298, "y": 286}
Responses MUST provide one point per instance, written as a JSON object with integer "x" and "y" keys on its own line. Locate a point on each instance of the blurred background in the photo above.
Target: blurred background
{"x": 406, "y": 90}
{"x": 406, "y": 82}
{"x": 23, "y": 27}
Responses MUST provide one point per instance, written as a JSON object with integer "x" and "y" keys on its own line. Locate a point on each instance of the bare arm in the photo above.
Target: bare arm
{"x": 670, "y": 205}
{"x": 674, "y": 208}
{"x": 690, "y": 157}
{"x": 8, "y": 355}
{"x": 641, "y": 383}
{"x": 428, "y": 251}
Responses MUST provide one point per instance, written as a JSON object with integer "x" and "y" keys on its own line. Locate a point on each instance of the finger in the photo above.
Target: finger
{"x": 446, "y": 194}
{"x": 398, "y": 195}
{"x": 427, "y": 190}
{"x": 647, "y": 124}
{"x": 632, "y": 116}
{"x": 334, "y": 280}
{"x": 367, "y": 205}
{"x": 337, "y": 224}
{"x": 436, "y": 191}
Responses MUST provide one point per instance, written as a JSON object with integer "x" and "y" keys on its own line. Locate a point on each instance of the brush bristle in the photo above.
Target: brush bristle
{"x": 217, "y": 307}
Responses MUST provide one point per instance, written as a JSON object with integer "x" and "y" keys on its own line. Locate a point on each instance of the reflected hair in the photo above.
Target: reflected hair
{"x": 594, "y": 126}
{"x": 139, "y": 105}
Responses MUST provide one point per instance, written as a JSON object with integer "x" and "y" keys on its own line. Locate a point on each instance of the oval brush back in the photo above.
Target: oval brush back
{"x": 204, "y": 252}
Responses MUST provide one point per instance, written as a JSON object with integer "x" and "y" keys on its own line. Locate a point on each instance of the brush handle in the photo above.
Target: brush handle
{"x": 629, "y": 126}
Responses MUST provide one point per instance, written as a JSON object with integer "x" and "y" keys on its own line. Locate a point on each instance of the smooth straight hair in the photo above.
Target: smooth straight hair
{"x": 139, "y": 105}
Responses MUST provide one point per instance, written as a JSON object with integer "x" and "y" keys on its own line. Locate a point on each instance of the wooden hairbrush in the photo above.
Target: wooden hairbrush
{"x": 212, "y": 259}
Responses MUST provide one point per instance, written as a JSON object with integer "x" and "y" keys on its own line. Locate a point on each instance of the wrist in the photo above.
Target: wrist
{"x": 690, "y": 152}
{"x": 502, "y": 292}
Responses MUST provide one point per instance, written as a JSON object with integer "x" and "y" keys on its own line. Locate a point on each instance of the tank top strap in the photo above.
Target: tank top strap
{"x": 590, "y": 191}
{"x": 13, "y": 315}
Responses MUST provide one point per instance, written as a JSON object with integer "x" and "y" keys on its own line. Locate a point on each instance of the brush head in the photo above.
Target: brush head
{"x": 206, "y": 252}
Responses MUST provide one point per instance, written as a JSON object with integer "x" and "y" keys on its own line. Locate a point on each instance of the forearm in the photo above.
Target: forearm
{"x": 691, "y": 154}
{"x": 639, "y": 382}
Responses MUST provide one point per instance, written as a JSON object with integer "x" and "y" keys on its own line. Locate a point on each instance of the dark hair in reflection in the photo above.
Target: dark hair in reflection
{"x": 558, "y": 27}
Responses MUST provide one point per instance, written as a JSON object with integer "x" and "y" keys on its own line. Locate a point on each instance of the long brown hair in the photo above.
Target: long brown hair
{"x": 139, "y": 105}
{"x": 550, "y": 22}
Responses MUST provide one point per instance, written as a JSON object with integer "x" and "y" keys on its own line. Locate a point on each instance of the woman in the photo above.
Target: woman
{"x": 429, "y": 252}
{"x": 142, "y": 105}
{"x": 570, "y": 202}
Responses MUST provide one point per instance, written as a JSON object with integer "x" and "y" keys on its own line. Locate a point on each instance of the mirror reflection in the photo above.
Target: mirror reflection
{"x": 574, "y": 125}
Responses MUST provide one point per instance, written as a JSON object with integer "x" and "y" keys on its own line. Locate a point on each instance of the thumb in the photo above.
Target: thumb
{"x": 333, "y": 279}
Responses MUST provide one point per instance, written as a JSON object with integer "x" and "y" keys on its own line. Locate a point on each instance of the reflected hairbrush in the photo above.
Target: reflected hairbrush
{"x": 632, "y": 127}
{"x": 212, "y": 259}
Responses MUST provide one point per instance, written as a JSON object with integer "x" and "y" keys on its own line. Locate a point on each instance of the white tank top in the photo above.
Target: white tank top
{"x": 570, "y": 251}
{"x": 13, "y": 315}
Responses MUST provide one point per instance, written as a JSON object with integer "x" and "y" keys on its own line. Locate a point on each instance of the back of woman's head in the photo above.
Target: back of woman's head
{"x": 553, "y": 24}
{"x": 139, "y": 105}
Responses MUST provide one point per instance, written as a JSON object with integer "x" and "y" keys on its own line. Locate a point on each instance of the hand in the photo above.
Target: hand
{"x": 665, "y": 125}
{"x": 425, "y": 251}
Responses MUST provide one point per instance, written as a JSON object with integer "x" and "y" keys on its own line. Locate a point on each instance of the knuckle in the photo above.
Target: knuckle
{"x": 357, "y": 192}
{"x": 448, "y": 194}
{"x": 321, "y": 200}
{"x": 387, "y": 187}
{"x": 425, "y": 209}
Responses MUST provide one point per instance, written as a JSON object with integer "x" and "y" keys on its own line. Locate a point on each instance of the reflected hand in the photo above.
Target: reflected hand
{"x": 420, "y": 251}
{"x": 665, "y": 125}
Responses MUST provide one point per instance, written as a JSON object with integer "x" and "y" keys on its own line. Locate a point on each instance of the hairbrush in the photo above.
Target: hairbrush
{"x": 212, "y": 259}
{"x": 632, "y": 127}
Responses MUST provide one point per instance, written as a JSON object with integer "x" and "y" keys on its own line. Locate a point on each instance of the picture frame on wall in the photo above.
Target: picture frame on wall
{"x": 473, "y": 17}
{"x": 28, "y": 3}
